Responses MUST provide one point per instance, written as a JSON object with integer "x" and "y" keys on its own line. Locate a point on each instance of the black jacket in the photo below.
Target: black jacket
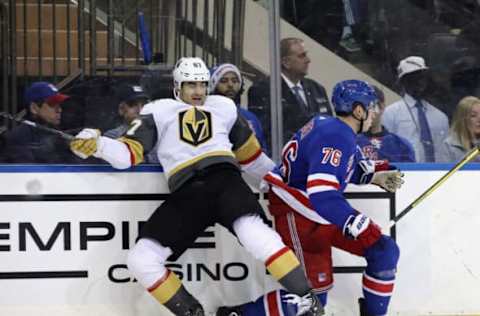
{"x": 26, "y": 144}
{"x": 294, "y": 115}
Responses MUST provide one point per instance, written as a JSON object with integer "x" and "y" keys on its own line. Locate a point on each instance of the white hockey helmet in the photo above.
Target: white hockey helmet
{"x": 189, "y": 69}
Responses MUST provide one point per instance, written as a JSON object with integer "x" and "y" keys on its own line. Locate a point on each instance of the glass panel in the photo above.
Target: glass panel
{"x": 134, "y": 43}
{"x": 369, "y": 39}
{"x": 259, "y": 47}
{"x": 329, "y": 41}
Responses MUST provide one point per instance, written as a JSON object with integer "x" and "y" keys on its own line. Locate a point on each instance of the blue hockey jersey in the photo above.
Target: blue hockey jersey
{"x": 386, "y": 145}
{"x": 255, "y": 125}
{"x": 317, "y": 164}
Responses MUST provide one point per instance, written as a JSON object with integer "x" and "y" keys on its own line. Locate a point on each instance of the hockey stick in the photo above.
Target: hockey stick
{"x": 40, "y": 127}
{"x": 468, "y": 157}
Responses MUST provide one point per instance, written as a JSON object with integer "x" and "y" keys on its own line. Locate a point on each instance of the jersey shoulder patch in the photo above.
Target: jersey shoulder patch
{"x": 220, "y": 101}
{"x": 160, "y": 105}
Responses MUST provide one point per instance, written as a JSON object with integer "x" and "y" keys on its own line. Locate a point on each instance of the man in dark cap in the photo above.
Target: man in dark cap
{"x": 132, "y": 99}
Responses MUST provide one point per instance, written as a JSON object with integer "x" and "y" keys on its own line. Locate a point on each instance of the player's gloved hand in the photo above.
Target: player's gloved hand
{"x": 368, "y": 169}
{"x": 390, "y": 180}
{"x": 362, "y": 228}
{"x": 85, "y": 143}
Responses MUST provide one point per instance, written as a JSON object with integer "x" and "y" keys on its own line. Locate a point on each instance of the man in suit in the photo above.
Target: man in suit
{"x": 302, "y": 98}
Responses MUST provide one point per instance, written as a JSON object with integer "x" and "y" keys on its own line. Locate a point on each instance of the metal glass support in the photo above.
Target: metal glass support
{"x": 275, "y": 80}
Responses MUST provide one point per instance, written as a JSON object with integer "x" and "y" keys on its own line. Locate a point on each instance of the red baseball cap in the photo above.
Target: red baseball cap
{"x": 42, "y": 91}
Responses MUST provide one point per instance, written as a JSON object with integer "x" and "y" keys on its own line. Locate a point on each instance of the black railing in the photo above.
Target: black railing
{"x": 58, "y": 39}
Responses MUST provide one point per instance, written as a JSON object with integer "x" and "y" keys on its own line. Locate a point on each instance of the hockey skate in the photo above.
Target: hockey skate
{"x": 184, "y": 304}
{"x": 362, "y": 307}
{"x": 307, "y": 305}
{"x": 196, "y": 310}
{"x": 229, "y": 311}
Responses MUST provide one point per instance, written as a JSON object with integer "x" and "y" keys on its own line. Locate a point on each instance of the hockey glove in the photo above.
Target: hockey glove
{"x": 367, "y": 168}
{"x": 362, "y": 228}
{"x": 390, "y": 180}
{"x": 85, "y": 143}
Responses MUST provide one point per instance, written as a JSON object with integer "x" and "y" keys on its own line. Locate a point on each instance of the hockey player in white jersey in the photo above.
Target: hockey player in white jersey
{"x": 202, "y": 143}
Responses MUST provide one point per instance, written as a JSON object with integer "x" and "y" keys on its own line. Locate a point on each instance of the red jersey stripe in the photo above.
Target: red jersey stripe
{"x": 318, "y": 182}
{"x": 378, "y": 287}
{"x": 294, "y": 192}
{"x": 132, "y": 156}
{"x": 272, "y": 304}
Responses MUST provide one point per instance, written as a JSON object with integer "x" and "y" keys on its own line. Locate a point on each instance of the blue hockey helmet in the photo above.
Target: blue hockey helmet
{"x": 347, "y": 93}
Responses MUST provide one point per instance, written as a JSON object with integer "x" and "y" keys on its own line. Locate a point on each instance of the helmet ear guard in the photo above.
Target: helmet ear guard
{"x": 189, "y": 69}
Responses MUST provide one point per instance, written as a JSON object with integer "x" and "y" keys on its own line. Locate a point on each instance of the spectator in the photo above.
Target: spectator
{"x": 27, "y": 144}
{"x": 302, "y": 98}
{"x": 465, "y": 131}
{"x": 379, "y": 144}
{"x": 226, "y": 80}
{"x": 348, "y": 42}
{"x": 413, "y": 117}
{"x": 132, "y": 98}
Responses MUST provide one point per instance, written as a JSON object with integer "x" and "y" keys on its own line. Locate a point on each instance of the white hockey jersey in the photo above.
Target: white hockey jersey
{"x": 190, "y": 138}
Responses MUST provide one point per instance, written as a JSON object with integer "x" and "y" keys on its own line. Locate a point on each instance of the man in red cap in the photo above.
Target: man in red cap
{"x": 26, "y": 144}
{"x": 43, "y": 102}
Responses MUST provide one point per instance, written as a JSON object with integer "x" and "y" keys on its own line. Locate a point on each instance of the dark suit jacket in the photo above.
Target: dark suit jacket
{"x": 294, "y": 115}
{"x": 26, "y": 144}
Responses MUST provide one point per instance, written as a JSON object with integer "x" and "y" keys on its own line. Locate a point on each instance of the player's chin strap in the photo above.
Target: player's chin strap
{"x": 360, "y": 130}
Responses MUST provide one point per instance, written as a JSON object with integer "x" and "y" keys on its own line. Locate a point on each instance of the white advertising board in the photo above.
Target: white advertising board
{"x": 64, "y": 234}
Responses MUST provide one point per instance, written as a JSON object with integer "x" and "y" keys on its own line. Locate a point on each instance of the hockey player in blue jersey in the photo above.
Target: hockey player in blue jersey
{"x": 311, "y": 213}
{"x": 379, "y": 144}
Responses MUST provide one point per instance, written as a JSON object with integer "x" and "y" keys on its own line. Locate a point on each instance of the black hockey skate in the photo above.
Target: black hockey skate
{"x": 196, "y": 310}
{"x": 229, "y": 311}
{"x": 362, "y": 307}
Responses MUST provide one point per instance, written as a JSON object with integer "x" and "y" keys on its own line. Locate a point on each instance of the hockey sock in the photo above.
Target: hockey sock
{"x": 265, "y": 244}
{"x": 377, "y": 292}
{"x": 285, "y": 267}
{"x": 170, "y": 292}
{"x": 379, "y": 277}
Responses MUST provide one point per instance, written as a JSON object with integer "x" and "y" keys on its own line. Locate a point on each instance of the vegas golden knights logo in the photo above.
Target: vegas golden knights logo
{"x": 195, "y": 126}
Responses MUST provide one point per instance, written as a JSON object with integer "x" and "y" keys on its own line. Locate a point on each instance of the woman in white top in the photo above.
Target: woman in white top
{"x": 464, "y": 132}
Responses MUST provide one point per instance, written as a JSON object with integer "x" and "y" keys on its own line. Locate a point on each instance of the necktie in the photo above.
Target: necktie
{"x": 296, "y": 92}
{"x": 425, "y": 133}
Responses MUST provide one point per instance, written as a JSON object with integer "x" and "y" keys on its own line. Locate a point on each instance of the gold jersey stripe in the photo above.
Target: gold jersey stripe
{"x": 167, "y": 289}
{"x": 283, "y": 264}
{"x": 249, "y": 149}
{"x": 198, "y": 158}
{"x": 136, "y": 150}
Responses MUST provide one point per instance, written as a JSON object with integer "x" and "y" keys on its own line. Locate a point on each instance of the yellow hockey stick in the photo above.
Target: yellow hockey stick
{"x": 468, "y": 157}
